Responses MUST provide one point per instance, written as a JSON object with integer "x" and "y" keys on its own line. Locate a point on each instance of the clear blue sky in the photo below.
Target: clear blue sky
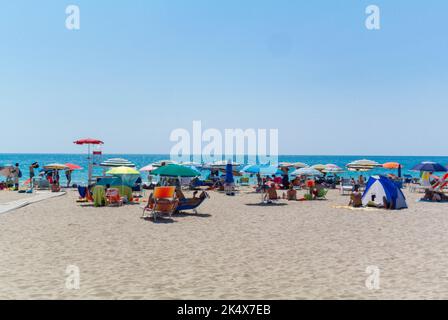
{"x": 138, "y": 69}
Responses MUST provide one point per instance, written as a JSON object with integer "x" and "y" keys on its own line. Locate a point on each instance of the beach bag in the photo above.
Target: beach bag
{"x": 19, "y": 174}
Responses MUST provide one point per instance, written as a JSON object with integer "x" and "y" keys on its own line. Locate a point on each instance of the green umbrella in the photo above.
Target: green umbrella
{"x": 175, "y": 170}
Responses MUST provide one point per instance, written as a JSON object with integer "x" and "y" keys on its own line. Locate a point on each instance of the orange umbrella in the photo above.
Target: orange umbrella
{"x": 391, "y": 165}
{"x": 72, "y": 166}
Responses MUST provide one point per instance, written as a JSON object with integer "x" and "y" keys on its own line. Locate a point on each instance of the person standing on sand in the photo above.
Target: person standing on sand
{"x": 68, "y": 176}
{"x": 33, "y": 166}
{"x": 17, "y": 175}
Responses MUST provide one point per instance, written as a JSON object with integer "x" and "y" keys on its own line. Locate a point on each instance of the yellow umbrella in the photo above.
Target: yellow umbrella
{"x": 56, "y": 166}
{"x": 122, "y": 171}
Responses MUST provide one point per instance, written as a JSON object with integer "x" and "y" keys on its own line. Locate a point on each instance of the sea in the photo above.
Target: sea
{"x": 141, "y": 160}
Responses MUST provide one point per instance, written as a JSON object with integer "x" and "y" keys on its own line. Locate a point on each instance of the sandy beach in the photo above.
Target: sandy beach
{"x": 234, "y": 249}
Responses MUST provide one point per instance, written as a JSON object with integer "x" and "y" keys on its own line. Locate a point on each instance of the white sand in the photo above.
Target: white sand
{"x": 232, "y": 250}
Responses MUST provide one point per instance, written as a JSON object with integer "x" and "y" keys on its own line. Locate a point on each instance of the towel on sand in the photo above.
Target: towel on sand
{"x": 99, "y": 196}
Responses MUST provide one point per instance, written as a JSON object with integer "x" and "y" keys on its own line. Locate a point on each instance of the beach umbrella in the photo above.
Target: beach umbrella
{"x": 122, "y": 170}
{"x": 318, "y": 167}
{"x": 229, "y": 174}
{"x": 191, "y": 164}
{"x": 285, "y": 165}
{"x": 127, "y": 175}
{"x": 299, "y": 165}
{"x": 222, "y": 164}
{"x": 332, "y": 168}
{"x": 148, "y": 168}
{"x": 117, "y": 162}
{"x": 175, "y": 170}
{"x": 72, "y": 166}
{"x": 429, "y": 166}
{"x": 55, "y": 166}
{"x": 262, "y": 169}
{"x": 393, "y": 165}
{"x": 88, "y": 141}
{"x": 161, "y": 163}
{"x": 307, "y": 172}
{"x": 362, "y": 165}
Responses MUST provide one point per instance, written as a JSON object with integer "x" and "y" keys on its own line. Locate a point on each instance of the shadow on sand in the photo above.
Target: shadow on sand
{"x": 262, "y": 204}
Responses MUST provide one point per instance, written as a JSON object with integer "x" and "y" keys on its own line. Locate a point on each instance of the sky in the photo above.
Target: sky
{"x": 137, "y": 70}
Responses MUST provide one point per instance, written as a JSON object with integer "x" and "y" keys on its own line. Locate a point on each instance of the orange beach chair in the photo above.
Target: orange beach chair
{"x": 113, "y": 197}
{"x": 163, "y": 202}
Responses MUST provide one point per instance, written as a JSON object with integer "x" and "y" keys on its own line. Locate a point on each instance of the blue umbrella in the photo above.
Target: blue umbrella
{"x": 262, "y": 169}
{"x": 430, "y": 167}
{"x": 229, "y": 174}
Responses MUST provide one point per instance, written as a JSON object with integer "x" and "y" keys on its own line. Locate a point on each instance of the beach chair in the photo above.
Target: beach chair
{"x": 184, "y": 207}
{"x": 346, "y": 186}
{"x": 441, "y": 184}
{"x": 113, "y": 197}
{"x": 244, "y": 181}
{"x": 164, "y": 202}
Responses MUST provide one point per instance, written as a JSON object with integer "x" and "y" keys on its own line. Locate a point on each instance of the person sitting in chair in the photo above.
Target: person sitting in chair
{"x": 190, "y": 201}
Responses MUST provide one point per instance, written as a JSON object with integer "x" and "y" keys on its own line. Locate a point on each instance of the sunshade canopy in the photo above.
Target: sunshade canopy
{"x": 55, "y": 166}
{"x": 391, "y": 165}
{"x": 72, "y": 166}
{"x": 88, "y": 141}
{"x": 307, "y": 172}
{"x": 318, "y": 167}
{"x": 363, "y": 165}
{"x": 332, "y": 168}
{"x": 123, "y": 171}
{"x": 117, "y": 162}
{"x": 299, "y": 165}
{"x": 429, "y": 166}
{"x": 148, "y": 168}
{"x": 262, "y": 169}
{"x": 175, "y": 170}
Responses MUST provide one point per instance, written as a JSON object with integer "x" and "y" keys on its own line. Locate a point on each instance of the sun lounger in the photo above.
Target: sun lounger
{"x": 186, "y": 206}
{"x": 163, "y": 202}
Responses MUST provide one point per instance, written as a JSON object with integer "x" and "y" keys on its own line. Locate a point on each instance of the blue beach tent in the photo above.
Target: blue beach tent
{"x": 378, "y": 187}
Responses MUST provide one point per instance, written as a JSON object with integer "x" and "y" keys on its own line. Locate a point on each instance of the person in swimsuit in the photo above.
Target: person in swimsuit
{"x": 356, "y": 198}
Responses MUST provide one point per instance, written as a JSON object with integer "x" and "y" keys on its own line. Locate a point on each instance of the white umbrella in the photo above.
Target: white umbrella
{"x": 117, "y": 162}
{"x": 307, "y": 172}
{"x": 161, "y": 163}
{"x": 332, "y": 168}
{"x": 362, "y": 165}
{"x": 299, "y": 165}
{"x": 148, "y": 168}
